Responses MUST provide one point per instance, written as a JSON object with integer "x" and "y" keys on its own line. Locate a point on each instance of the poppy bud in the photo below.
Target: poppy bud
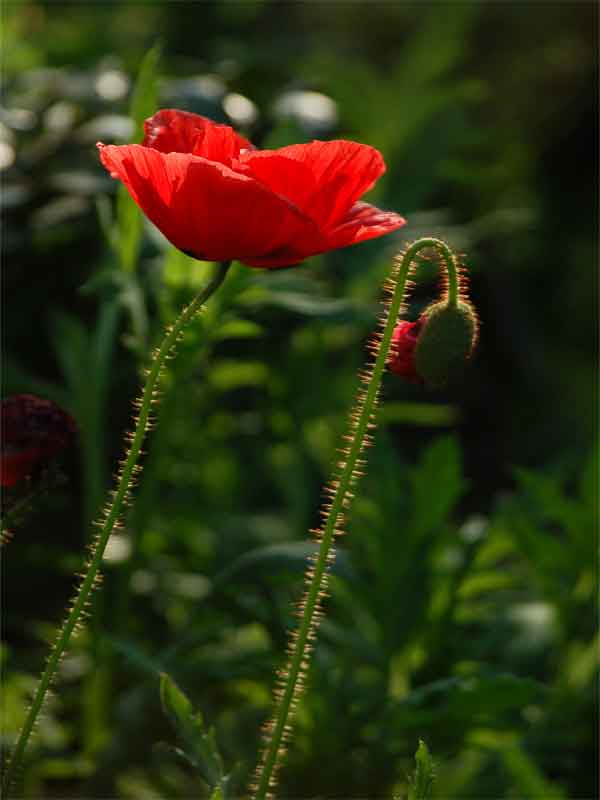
{"x": 404, "y": 341}
{"x": 446, "y": 341}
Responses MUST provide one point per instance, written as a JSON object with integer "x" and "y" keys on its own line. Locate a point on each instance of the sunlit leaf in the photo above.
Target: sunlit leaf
{"x": 238, "y": 329}
{"x": 175, "y": 704}
{"x": 422, "y": 783}
{"x": 199, "y": 744}
{"x": 228, "y": 375}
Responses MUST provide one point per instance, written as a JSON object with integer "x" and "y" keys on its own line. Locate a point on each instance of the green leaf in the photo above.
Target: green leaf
{"x": 129, "y": 224}
{"x": 422, "y": 782}
{"x": 183, "y": 272}
{"x": 427, "y": 414}
{"x": 277, "y": 558}
{"x": 127, "y": 290}
{"x": 72, "y": 344}
{"x": 226, "y": 375}
{"x": 136, "y": 657}
{"x": 237, "y": 329}
{"x": 334, "y": 309}
{"x": 144, "y": 98}
{"x": 490, "y": 696}
{"x": 481, "y": 698}
{"x": 549, "y": 503}
{"x": 437, "y": 484}
{"x": 133, "y": 299}
{"x": 199, "y": 745}
{"x": 85, "y": 357}
{"x": 546, "y": 496}
{"x": 175, "y": 704}
{"x": 104, "y": 214}
{"x": 528, "y": 778}
{"x": 143, "y": 104}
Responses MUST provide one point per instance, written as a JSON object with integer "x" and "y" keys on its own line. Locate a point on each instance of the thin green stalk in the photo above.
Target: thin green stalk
{"x": 129, "y": 469}
{"x": 363, "y": 417}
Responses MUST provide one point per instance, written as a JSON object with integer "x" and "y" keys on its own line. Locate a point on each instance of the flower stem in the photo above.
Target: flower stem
{"x": 129, "y": 468}
{"x": 450, "y": 263}
{"x": 363, "y": 417}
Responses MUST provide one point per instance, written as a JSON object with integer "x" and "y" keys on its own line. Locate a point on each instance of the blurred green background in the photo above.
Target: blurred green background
{"x": 462, "y": 609}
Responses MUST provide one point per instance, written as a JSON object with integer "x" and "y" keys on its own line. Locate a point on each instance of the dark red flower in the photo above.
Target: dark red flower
{"x": 404, "y": 341}
{"x": 34, "y": 431}
{"x": 217, "y": 198}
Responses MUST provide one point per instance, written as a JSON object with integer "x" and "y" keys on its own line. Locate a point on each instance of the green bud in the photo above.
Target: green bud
{"x": 446, "y": 341}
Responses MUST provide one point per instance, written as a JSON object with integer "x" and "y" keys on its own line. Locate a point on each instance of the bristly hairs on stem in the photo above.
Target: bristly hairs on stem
{"x": 290, "y": 680}
{"x": 110, "y": 521}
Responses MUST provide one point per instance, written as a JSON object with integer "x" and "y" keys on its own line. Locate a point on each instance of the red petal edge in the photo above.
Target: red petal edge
{"x": 324, "y": 179}
{"x": 173, "y": 131}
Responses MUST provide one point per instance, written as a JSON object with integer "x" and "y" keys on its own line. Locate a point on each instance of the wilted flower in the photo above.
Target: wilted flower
{"x": 34, "y": 431}
{"x": 217, "y": 198}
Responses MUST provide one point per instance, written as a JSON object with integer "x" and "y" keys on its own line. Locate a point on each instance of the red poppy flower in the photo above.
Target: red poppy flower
{"x": 404, "y": 341}
{"x": 217, "y": 198}
{"x": 34, "y": 431}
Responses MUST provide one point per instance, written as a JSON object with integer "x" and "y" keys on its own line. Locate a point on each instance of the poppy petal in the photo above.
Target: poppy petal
{"x": 205, "y": 208}
{"x": 217, "y": 198}
{"x": 173, "y": 131}
{"x": 363, "y": 222}
{"x": 324, "y": 179}
{"x": 285, "y": 176}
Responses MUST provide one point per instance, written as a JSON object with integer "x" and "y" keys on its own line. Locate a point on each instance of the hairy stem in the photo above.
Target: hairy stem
{"x": 129, "y": 468}
{"x": 290, "y": 683}
{"x": 449, "y": 260}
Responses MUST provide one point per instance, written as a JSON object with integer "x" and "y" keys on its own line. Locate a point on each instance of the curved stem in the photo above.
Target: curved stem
{"x": 362, "y": 419}
{"x": 128, "y": 469}
{"x": 449, "y": 260}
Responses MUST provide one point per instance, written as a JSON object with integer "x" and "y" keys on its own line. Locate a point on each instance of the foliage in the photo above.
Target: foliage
{"x": 462, "y": 608}
{"x": 424, "y": 776}
{"x": 199, "y": 746}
